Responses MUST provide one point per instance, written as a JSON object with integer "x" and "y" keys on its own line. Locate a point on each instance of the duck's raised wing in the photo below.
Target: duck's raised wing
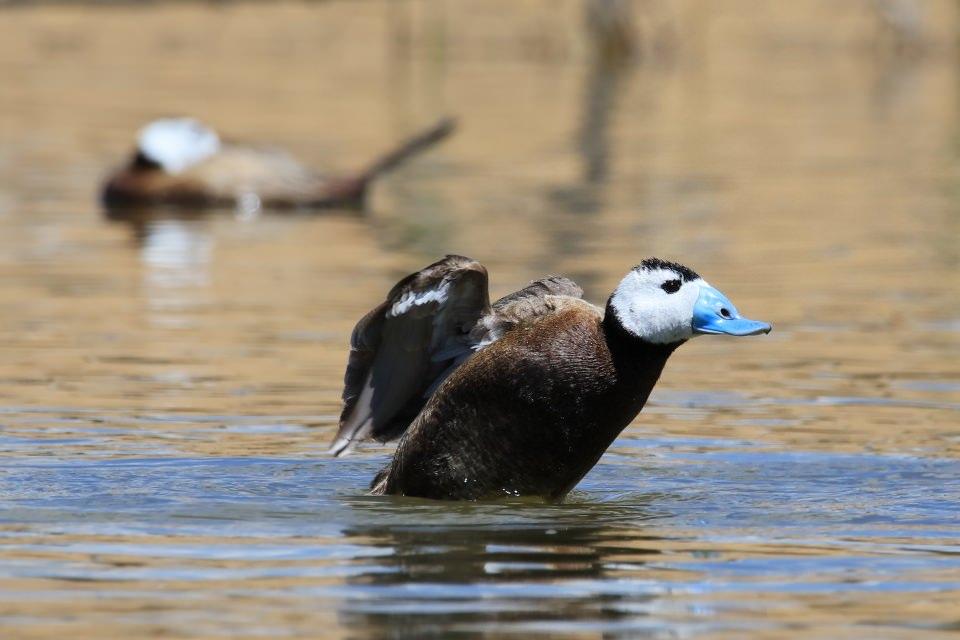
{"x": 420, "y": 333}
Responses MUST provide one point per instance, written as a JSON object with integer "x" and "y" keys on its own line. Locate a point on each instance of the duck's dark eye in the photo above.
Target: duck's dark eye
{"x": 725, "y": 312}
{"x": 671, "y": 286}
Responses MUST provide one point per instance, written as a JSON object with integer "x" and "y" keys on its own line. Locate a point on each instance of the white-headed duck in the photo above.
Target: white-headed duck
{"x": 180, "y": 161}
{"x": 521, "y": 397}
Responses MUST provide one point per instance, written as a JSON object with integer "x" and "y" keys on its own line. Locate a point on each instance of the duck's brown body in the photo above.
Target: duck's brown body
{"x": 272, "y": 177}
{"x": 265, "y": 176}
{"x": 565, "y": 386}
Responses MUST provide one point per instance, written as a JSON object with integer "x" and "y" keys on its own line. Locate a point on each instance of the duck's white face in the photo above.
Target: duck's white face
{"x": 664, "y": 302}
{"x": 177, "y": 144}
{"x": 656, "y": 304}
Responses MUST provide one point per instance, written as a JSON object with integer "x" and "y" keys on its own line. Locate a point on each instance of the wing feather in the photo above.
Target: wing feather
{"x": 537, "y": 300}
{"x": 430, "y": 323}
{"x": 400, "y": 349}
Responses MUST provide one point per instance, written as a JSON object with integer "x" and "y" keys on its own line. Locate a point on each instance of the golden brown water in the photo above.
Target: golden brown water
{"x": 169, "y": 387}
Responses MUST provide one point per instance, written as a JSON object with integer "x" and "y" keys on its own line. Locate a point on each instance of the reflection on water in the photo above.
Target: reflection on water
{"x": 170, "y": 380}
{"x": 176, "y": 256}
{"x": 478, "y": 580}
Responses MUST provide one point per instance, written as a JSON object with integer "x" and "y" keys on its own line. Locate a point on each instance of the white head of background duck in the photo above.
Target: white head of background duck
{"x": 181, "y": 161}
{"x": 523, "y": 396}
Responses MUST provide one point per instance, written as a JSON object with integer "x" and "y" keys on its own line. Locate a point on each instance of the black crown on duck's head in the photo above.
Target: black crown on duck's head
{"x": 686, "y": 274}
{"x": 143, "y": 161}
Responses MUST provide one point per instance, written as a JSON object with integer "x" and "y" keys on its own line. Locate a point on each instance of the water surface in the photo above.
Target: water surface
{"x": 169, "y": 383}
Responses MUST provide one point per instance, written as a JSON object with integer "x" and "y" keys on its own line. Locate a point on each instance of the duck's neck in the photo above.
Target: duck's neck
{"x": 629, "y": 350}
{"x": 636, "y": 367}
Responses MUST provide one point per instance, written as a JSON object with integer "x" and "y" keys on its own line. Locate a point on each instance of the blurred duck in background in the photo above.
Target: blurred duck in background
{"x": 182, "y": 162}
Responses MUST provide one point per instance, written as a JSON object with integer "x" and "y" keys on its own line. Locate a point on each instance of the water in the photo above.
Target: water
{"x": 169, "y": 383}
